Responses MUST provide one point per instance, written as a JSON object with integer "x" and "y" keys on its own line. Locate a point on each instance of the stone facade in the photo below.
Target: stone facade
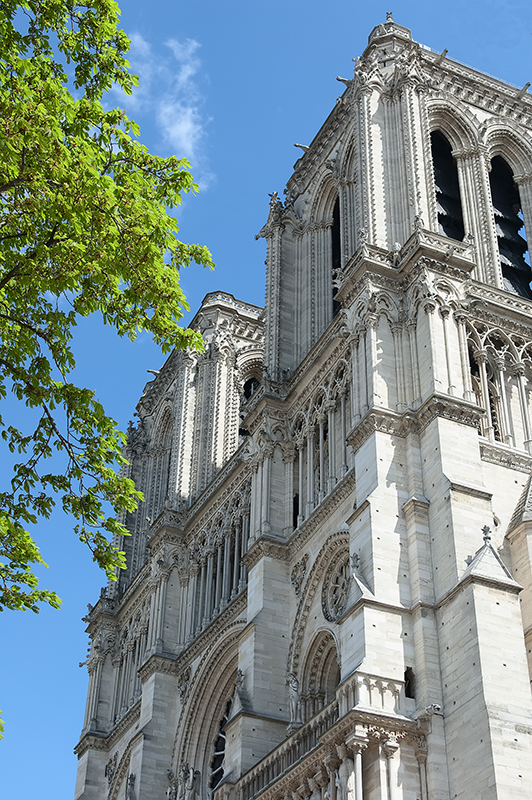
{"x": 329, "y": 584}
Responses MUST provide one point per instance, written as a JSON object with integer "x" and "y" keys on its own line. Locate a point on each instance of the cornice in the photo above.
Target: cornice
{"x": 495, "y": 306}
{"x": 265, "y": 547}
{"x": 505, "y": 457}
{"x": 385, "y": 421}
{"x": 92, "y": 741}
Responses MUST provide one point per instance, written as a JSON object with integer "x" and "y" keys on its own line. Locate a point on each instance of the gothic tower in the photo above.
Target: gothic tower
{"x": 329, "y": 584}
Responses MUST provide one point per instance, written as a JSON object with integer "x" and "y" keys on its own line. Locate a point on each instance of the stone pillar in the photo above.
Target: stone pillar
{"x": 519, "y": 372}
{"x": 266, "y": 488}
{"x": 481, "y": 358}
{"x": 161, "y": 609}
{"x": 300, "y": 444}
{"x": 467, "y": 388}
{"x": 357, "y": 745}
{"x": 411, "y": 327}
{"x": 321, "y": 424}
{"x": 244, "y": 547}
{"x": 391, "y": 748}
{"x": 507, "y": 433}
{"x": 183, "y": 608}
{"x": 421, "y": 756}
{"x": 309, "y": 433}
{"x": 207, "y": 610}
{"x": 236, "y": 558}
{"x": 289, "y": 456}
{"x": 397, "y": 333}
{"x": 330, "y": 407}
{"x": 444, "y": 313}
{"x": 226, "y": 568}
{"x": 218, "y": 587}
{"x": 343, "y": 432}
{"x": 191, "y": 609}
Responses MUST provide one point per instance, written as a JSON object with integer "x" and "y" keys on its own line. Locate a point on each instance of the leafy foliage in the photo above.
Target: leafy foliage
{"x": 84, "y": 228}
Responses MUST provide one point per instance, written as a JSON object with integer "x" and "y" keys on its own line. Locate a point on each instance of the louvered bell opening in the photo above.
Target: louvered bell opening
{"x": 449, "y": 205}
{"x": 513, "y": 248}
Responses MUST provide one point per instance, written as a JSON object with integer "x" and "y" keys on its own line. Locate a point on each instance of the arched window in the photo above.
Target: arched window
{"x": 321, "y": 675}
{"x": 250, "y": 387}
{"x": 336, "y": 257}
{"x": 450, "y": 217}
{"x": 217, "y": 763}
{"x": 513, "y": 247}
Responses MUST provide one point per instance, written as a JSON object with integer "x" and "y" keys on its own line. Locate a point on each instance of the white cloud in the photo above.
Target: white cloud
{"x": 170, "y": 95}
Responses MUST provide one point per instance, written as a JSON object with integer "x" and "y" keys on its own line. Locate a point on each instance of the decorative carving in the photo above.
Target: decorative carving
{"x": 298, "y": 574}
{"x": 183, "y": 682}
{"x": 335, "y": 591}
{"x": 110, "y": 769}
{"x": 294, "y": 702}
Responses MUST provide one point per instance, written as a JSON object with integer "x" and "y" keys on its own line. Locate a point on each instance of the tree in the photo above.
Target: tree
{"x": 84, "y": 228}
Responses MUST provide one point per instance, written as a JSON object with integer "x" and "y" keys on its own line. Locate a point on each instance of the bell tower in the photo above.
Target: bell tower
{"x": 332, "y": 596}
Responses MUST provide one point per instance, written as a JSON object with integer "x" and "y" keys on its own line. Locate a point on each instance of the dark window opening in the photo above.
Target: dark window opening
{"x": 450, "y": 217}
{"x": 250, "y": 387}
{"x": 217, "y": 763}
{"x": 335, "y": 248}
{"x": 410, "y": 683}
{"x": 509, "y": 226}
{"x": 295, "y": 510}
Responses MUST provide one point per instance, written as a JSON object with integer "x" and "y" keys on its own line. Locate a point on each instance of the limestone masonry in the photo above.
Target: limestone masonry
{"x": 329, "y": 584}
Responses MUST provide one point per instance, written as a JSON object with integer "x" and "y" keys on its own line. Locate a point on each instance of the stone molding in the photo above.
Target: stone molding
{"x": 505, "y": 457}
{"x": 414, "y": 421}
{"x": 265, "y": 547}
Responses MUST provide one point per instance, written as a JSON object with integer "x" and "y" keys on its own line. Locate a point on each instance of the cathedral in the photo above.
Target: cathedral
{"x": 328, "y": 593}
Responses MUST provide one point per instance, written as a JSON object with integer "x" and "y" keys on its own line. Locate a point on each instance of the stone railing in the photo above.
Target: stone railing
{"x": 373, "y": 693}
{"x": 363, "y": 693}
{"x": 283, "y": 758}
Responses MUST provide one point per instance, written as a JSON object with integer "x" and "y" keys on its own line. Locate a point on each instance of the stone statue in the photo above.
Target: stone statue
{"x": 192, "y": 785}
{"x": 294, "y": 700}
{"x": 345, "y": 775}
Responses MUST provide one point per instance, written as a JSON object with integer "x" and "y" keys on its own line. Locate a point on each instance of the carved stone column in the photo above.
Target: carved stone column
{"x": 343, "y": 432}
{"x": 390, "y": 747}
{"x": 266, "y": 488}
{"x": 194, "y": 569}
{"x": 421, "y": 756}
{"x": 445, "y": 313}
{"x": 357, "y": 747}
{"x": 467, "y": 388}
{"x": 411, "y": 327}
{"x": 507, "y": 432}
{"x": 397, "y": 333}
{"x": 244, "y": 547}
{"x": 300, "y": 444}
{"x": 218, "y": 586}
{"x": 519, "y": 372}
{"x": 226, "y": 568}
{"x": 321, "y": 424}
{"x": 481, "y": 357}
{"x": 330, "y": 407}
{"x": 289, "y": 456}
{"x": 309, "y": 433}
{"x": 236, "y": 559}
{"x": 207, "y": 610}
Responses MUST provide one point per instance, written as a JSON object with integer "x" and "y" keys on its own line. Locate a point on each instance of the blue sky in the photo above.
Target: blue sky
{"x": 231, "y": 85}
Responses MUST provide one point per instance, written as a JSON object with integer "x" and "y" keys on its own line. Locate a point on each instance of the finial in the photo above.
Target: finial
{"x": 486, "y": 530}
{"x": 389, "y": 17}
